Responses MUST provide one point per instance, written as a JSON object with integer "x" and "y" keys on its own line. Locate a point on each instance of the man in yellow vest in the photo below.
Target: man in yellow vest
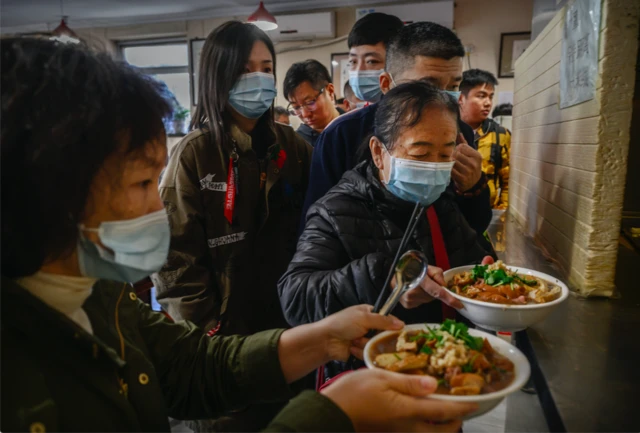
{"x": 493, "y": 141}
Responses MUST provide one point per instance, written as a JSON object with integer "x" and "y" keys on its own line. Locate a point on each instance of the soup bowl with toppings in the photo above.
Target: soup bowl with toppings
{"x": 505, "y": 298}
{"x": 470, "y": 365}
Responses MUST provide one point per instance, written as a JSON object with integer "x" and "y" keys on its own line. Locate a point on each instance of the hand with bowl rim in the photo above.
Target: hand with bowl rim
{"x": 305, "y": 348}
{"x": 379, "y": 400}
{"x": 433, "y": 287}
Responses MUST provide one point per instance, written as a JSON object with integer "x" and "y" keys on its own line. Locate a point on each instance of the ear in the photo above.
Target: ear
{"x": 347, "y": 105}
{"x": 331, "y": 90}
{"x": 385, "y": 82}
{"x": 461, "y": 98}
{"x": 377, "y": 153}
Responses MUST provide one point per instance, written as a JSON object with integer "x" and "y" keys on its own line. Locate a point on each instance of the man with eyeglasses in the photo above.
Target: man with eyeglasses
{"x": 308, "y": 88}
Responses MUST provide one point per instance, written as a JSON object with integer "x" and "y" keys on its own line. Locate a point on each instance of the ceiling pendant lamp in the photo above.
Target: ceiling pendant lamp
{"x": 63, "y": 33}
{"x": 262, "y": 19}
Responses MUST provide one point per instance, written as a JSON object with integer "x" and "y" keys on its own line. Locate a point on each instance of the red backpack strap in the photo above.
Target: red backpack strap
{"x": 319, "y": 378}
{"x": 333, "y": 379}
{"x": 440, "y": 252}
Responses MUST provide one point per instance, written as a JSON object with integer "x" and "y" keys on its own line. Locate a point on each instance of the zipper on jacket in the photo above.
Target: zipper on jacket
{"x": 124, "y": 387}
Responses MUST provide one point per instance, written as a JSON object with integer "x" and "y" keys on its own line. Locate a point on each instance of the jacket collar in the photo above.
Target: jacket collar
{"x": 362, "y": 182}
{"x": 27, "y": 315}
{"x": 306, "y": 129}
{"x": 244, "y": 141}
{"x": 485, "y": 128}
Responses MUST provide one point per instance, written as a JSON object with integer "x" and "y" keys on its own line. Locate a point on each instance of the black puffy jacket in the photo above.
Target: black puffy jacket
{"x": 348, "y": 245}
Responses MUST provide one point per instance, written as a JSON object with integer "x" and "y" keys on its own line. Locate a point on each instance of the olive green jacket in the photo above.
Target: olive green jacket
{"x": 218, "y": 270}
{"x": 137, "y": 369}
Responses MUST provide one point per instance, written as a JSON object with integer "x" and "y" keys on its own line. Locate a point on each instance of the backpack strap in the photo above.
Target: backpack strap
{"x": 496, "y": 151}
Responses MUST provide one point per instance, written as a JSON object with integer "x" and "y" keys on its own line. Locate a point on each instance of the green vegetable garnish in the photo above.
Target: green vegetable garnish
{"x": 479, "y": 271}
{"x": 468, "y": 367}
{"x": 426, "y": 349}
{"x": 464, "y": 289}
{"x": 498, "y": 277}
{"x": 475, "y": 343}
{"x": 397, "y": 356}
{"x": 526, "y": 281}
{"x": 441, "y": 382}
{"x": 512, "y": 288}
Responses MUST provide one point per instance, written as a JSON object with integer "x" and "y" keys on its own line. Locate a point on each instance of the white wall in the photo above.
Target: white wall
{"x": 477, "y": 22}
{"x": 480, "y": 22}
{"x": 568, "y": 166}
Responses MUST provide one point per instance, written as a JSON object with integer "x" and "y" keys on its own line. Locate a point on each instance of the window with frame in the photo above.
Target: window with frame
{"x": 167, "y": 61}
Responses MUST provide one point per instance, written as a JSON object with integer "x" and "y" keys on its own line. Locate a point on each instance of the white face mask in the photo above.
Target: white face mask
{"x": 140, "y": 247}
{"x": 366, "y": 84}
{"x": 253, "y": 94}
{"x": 417, "y": 181}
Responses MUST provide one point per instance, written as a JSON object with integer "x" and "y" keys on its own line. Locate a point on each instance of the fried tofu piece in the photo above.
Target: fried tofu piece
{"x": 386, "y": 360}
{"x": 465, "y": 390}
{"x": 462, "y": 279}
{"x": 410, "y": 362}
{"x": 541, "y": 296}
{"x": 404, "y": 344}
{"x": 480, "y": 361}
{"x": 467, "y": 379}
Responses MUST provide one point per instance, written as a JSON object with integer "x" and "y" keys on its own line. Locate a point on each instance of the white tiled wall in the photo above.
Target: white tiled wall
{"x": 568, "y": 165}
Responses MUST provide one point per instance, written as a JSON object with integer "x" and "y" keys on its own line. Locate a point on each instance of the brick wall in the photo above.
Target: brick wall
{"x": 568, "y": 165}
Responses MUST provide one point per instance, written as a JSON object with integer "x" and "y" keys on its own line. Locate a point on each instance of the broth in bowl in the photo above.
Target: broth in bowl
{"x": 498, "y": 284}
{"x": 462, "y": 363}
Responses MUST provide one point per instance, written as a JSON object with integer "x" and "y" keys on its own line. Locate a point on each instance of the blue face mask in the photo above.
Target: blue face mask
{"x": 366, "y": 84}
{"x": 455, "y": 94}
{"x": 253, "y": 94}
{"x": 140, "y": 247}
{"x": 417, "y": 181}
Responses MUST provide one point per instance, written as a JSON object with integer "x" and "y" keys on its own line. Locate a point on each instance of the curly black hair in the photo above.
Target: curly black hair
{"x": 65, "y": 110}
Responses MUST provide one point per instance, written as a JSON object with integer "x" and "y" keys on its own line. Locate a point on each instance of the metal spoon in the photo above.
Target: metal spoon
{"x": 410, "y": 271}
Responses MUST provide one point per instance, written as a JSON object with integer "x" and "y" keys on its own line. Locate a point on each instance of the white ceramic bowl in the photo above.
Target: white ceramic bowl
{"x": 486, "y": 402}
{"x": 507, "y": 318}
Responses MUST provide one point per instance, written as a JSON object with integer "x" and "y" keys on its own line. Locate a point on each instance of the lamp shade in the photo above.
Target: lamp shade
{"x": 263, "y": 19}
{"x": 63, "y": 33}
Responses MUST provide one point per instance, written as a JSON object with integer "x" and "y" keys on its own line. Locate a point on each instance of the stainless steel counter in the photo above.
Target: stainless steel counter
{"x": 585, "y": 356}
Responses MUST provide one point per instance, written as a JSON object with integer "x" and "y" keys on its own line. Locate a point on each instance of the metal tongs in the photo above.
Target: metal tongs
{"x": 418, "y": 210}
{"x": 409, "y": 269}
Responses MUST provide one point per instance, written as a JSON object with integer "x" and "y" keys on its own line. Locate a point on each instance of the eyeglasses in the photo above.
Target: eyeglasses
{"x": 310, "y": 105}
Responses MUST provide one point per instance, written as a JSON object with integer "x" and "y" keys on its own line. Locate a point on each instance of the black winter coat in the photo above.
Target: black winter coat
{"x": 348, "y": 245}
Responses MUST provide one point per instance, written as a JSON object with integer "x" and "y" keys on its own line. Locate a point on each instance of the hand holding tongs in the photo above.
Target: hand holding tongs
{"x": 410, "y": 270}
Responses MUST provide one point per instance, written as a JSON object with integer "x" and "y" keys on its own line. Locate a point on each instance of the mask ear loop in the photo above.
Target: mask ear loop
{"x": 87, "y": 229}
{"x": 384, "y": 148}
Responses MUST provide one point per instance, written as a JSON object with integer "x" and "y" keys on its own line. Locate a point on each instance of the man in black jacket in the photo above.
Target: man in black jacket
{"x": 420, "y": 51}
{"x": 308, "y": 88}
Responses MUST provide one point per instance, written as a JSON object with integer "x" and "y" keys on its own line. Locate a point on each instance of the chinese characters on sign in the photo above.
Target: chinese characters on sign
{"x": 579, "y": 61}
